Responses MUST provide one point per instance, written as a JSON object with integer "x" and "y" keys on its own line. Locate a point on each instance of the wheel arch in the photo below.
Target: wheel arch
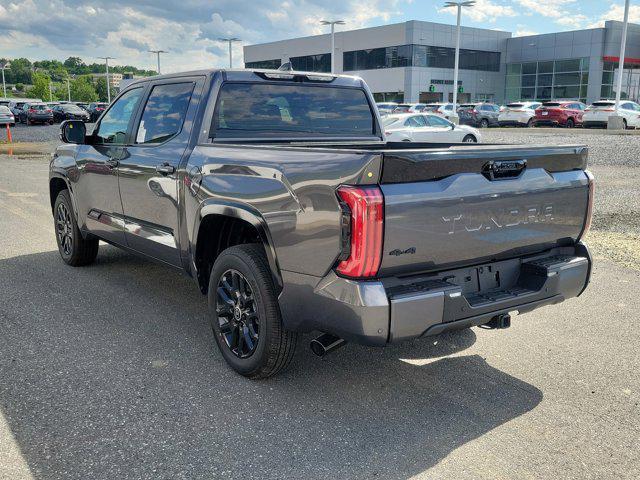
{"x": 57, "y": 183}
{"x": 222, "y": 224}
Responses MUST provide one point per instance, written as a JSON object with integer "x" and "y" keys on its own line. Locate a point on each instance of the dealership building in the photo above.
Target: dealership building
{"x": 413, "y": 61}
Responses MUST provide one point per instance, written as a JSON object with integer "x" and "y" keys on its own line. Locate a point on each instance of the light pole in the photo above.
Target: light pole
{"x": 615, "y": 121}
{"x": 333, "y": 24}
{"x": 458, "y": 4}
{"x": 158, "y": 52}
{"x": 69, "y": 87}
{"x": 4, "y": 86}
{"x": 106, "y": 62}
{"x": 230, "y": 40}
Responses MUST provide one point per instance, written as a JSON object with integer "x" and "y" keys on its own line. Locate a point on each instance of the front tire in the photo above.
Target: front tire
{"x": 484, "y": 123}
{"x": 469, "y": 139}
{"x": 245, "y": 315}
{"x": 570, "y": 123}
{"x": 74, "y": 249}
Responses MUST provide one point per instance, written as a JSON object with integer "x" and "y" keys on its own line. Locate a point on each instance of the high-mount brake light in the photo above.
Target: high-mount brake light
{"x": 365, "y": 206}
{"x": 280, "y": 76}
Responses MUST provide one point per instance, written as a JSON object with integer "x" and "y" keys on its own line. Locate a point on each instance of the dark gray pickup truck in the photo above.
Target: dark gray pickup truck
{"x": 277, "y": 193}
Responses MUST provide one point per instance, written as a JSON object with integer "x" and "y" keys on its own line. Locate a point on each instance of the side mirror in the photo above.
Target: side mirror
{"x": 73, "y": 131}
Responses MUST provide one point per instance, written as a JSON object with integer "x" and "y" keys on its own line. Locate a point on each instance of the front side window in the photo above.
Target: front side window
{"x": 114, "y": 124}
{"x": 414, "y": 122}
{"x": 266, "y": 110}
{"x": 164, "y": 112}
{"x": 436, "y": 121}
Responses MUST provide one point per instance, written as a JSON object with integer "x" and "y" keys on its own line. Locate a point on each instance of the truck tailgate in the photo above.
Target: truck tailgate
{"x": 466, "y": 206}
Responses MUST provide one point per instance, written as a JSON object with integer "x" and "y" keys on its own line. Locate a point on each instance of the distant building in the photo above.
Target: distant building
{"x": 114, "y": 78}
{"x": 413, "y": 61}
{"x": 127, "y": 79}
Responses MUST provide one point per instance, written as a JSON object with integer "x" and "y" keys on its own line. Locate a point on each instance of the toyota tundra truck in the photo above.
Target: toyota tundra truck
{"x": 278, "y": 194}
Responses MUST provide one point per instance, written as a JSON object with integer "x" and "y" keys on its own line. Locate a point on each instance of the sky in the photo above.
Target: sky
{"x": 189, "y": 29}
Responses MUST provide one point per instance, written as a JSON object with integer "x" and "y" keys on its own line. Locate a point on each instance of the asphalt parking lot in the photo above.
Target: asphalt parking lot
{"x": 111, "y": 371}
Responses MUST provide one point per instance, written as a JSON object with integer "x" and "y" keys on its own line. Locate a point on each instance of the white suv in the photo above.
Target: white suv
{"x": 519, "y": 114}
{"x": 597, "y": 114}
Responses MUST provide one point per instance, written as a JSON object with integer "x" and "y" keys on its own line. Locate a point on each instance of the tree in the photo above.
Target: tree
{"x": 19, "y": 71}
{"x": 20, "y": 87}
{"x": 40, "y": 88}
{"x": 75, "y": 65}
{"x": 82, "y": 90}
{"x": 101, "y": 89}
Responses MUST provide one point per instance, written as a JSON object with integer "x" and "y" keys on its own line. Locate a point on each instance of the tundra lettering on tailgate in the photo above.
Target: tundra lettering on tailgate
{"x": 489, "y": 220}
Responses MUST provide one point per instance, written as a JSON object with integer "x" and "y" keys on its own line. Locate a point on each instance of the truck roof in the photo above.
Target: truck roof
{"x": 242, "y": 74}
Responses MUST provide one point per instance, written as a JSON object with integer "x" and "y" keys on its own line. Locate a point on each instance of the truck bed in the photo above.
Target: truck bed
{"x": 448, "y": 206}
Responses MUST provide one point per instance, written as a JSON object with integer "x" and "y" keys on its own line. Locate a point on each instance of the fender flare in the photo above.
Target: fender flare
{"x": 58, "y": 174}
{"x": 248, "y": 214}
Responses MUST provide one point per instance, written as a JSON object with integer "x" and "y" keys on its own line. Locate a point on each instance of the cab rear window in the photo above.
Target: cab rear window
{"x": 265, "y": 110}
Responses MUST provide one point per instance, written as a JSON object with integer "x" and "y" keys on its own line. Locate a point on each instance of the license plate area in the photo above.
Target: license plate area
{"x": 484, "y": 278}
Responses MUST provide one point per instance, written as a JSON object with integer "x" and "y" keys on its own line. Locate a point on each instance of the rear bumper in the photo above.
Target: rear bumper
{"x": 399, "y": 309}
{"x": 552, "y": 122}
{"x": 594, "y": 124}
{"x": 512, "y": 123}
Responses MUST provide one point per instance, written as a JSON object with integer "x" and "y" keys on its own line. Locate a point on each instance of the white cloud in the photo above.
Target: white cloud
{"x": 483, "y": 11}
{"x": 523, "y": 32}
{"x": 547, "y": 8}
{"x": 188, "y": 29}
{"x": 616, "y": 12}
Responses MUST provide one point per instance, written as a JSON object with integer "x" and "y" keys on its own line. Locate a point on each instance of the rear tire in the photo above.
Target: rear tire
{"x": 469, "y": 139}
{"x": 245, "y": 315}
{"x": 484, "y": 123}
{"x": 530, "y": 123}
{"x": 74, "y": 249}
{"x": 624, "y": 123}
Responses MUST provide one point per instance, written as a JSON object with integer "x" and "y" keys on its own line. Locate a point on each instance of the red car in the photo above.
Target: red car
{"x": 559, "y": 113}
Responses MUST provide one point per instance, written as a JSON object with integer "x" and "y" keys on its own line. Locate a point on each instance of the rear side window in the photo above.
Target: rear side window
{"x": 164, "y": 112}
{"x": 264, "y": 110}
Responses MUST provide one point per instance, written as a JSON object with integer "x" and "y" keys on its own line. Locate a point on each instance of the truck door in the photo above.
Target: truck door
{"x": 99, "y": 206}
{"x": 148, "y": 175}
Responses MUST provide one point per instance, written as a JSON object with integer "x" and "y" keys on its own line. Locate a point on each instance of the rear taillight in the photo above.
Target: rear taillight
{"x": 32, "y": 110}
{"x": 589, "y": 217}
{"x": 365, "y": 207}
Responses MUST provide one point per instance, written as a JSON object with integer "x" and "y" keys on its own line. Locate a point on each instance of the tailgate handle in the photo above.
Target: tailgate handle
{"x": 503, "y": 169}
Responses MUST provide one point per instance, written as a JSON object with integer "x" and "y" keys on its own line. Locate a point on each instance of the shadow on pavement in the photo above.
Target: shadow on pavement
{"x": 110, "y": 371}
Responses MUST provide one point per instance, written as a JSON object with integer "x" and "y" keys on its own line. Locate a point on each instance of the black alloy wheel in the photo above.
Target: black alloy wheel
{"x": 237, "y": 314}
{"x": 64, "y": 229}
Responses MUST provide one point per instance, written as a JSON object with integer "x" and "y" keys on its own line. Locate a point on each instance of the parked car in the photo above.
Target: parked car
{"x": 443, "y": 109}
{"x": 481, "y": 115}
{"x": 69, "y": 111}
{"x": 598, "y": 113}
{"x": 96, "y": 109}
{"x": 33, "y": 113}
{"x": 386, "y": 107}
{"x": 429, "y": 128}
{"x": 16, "y": 108}
{"x": 6, "y": 116}
{"x": 83, "y": 105}
{"x": 402, "y": 108}
{"x": 343, "y": 234}
{"x": 560, "y": 114}
{"x": 519, "y": 114}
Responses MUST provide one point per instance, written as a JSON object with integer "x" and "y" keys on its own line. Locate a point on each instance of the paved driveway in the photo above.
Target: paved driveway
{"x": 110, "y": 371}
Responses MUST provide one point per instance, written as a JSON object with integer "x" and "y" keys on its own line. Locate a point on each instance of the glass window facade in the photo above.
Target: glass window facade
{"x": 561, "y": 79}
{"x": 264, "y": 64}
{"x": 312, "y": 63}
{"x": 630, "y": 81}
{"x": 420, "y": 56}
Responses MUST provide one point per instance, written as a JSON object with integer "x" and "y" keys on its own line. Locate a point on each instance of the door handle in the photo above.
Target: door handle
{"x": 112, "y": 163}
{"x": 165, "y": 169}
